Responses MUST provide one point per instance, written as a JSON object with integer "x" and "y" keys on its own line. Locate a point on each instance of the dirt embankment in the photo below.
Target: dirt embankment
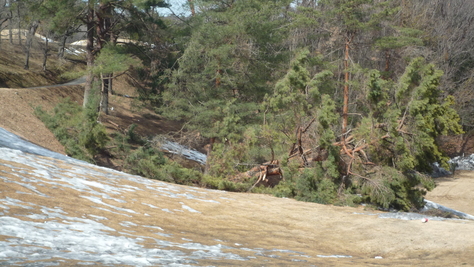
{"x": 17, "y": 112}
{"x": 455, "y": 191}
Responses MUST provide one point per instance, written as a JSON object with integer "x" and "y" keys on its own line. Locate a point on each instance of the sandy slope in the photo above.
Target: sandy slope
{"x": 68, "y": 212}
{"x": 17, "y": 112}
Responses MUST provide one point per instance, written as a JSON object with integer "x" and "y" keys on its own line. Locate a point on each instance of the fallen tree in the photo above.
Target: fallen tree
{"x": 383, "y": 157}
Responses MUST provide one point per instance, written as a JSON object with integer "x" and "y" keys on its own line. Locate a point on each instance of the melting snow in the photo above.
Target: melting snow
{"x": 35, "y": 232}
{"x": 40, "y": 233}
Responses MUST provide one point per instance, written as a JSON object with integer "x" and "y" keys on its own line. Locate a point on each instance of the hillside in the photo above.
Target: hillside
{"x": 57, "y": 210}
{"x": 19, "y": 100}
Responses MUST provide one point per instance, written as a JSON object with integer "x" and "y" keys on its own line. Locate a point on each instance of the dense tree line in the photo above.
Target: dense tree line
{"x": 347, "y": 97}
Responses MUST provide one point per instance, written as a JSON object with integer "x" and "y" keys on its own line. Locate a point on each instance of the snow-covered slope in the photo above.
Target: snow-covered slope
{"x": 93, "y": 221}
{"x": 58, "y": 210}
{"x": 55, "y": 210}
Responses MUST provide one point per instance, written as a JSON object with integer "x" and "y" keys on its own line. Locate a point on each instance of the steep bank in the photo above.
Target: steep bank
{"x": 17, "y": 112}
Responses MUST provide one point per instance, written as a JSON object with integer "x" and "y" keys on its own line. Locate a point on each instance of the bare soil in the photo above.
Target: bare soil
{"x": 455, "y": 191}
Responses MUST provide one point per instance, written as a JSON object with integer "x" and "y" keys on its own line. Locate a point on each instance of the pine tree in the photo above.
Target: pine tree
{"x": 61, "y": 18}
{"x": 387, "y": 156}
{"x": 398, "y": 138}
{"x": 105, "y": 20}
{"x": 227, "y": 67}
{"x": 350, "y": 18}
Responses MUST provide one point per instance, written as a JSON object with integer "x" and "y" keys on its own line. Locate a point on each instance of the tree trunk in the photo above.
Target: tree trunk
{"x": 1, "y": 23}
{"x": 31, "y": 33}
{"x": 90, "y": 53}
{"x": 111, "y": 87}
{"x": 345, "y": 108}
{"x": 10, "y": 28}
{"x": 387, "y": 75}
{"x": 104, "y": 99}
{"x": 88, "y": 88}
{"x": 45, "y": 52}
{"x": 104, "y": 33}
{"x": 191, "y": 6}
{"x": 62, "y": 46}
{"x": 19, "y": 24}
{"x": 209, "y": 151}
{"x": 113, "y": 41}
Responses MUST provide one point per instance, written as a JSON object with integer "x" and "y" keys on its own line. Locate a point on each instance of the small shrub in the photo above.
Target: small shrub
{"x": 210, "y": 181}
{"x": 390, "y": 188}
{"x": 147, "y": 162}
{"x": 75, "y": 128}
{"x": 133, "y": 137}
{"x": 180, "y": 175}
{"x": 313, "y": 186}
{"x": 232, "y": 186}
{"x": 348, "y": 199}
{"x": 440, "y": 213}
{"x": 284, "y": 189}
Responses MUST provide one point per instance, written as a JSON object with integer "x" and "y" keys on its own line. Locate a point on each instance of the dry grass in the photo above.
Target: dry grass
{"x": 12, "y": 61}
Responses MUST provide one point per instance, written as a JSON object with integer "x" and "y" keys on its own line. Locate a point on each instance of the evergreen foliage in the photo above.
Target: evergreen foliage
{"x": 405, "y": 120}
{"x": 226, "y": 68}
{"x": 334, "y": 90}
{"x": 404, "y": 37}
{"x": 294, "y": 102}
{"x": 113, "y": 59}
{"x": 412, "y": 114}
{"x": 60, "y": 15}
{"x": 149, "y": 162}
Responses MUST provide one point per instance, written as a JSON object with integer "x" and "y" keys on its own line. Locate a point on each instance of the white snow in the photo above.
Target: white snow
{"x": 464, "y": 162}
{"x": 334, "y": 256}
{"x": 432, "y": 205}
{"x": 178, "y": 149}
